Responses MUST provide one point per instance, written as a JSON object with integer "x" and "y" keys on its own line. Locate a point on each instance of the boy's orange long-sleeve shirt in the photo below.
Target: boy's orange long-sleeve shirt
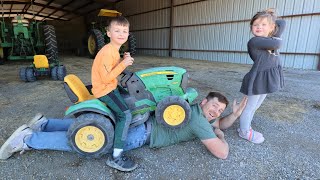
{"x": 105, "y": 70}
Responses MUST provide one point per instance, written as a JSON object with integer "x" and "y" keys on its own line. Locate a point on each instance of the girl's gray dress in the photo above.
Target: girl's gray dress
{"x": 266, "y": 75}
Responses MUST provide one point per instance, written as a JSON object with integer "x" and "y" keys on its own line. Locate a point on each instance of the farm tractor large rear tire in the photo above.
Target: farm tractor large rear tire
{"x": 130, "y": 45}
{"x": 50, "y": 43}
{"x": 91, "y": 135}
{"x": 95, "y": 42}
{"x": 173, "y": 112}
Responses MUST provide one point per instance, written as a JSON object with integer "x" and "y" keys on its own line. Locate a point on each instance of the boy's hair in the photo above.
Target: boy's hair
{"x": 221, "y": 98}
{"x": 120, "y": 20}
{"x": 269, "y": 14}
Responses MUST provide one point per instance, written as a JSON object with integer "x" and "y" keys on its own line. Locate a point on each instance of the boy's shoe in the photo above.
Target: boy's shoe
{"x": 122, "y": 163}
{"x": 15, "y": 142}
{"x": 252, "y": 136}
{"x": 36, "y": 123}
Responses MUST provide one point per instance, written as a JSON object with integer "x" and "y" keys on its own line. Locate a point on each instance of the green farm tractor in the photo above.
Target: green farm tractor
{"x": 97, "y": 36}
{"x": 21, "y": 40}
{"x": 162, "y": 91}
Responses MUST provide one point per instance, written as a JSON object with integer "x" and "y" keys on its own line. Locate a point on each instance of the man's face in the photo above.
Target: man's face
{"x": 212, "y": 108}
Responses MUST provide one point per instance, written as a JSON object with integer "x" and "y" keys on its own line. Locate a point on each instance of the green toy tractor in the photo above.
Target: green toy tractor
{"x": 41, "y": 67}
{"x": 97, "y": 36}
{"x": 161, "y": 90}
{"x": 21, "y": 40}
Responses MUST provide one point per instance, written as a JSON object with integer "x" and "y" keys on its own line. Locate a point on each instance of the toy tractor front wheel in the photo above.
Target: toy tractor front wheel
{"x": 95, "y": 42}
{"x": 173, "y": 112}
{"x": 91, "y": 135}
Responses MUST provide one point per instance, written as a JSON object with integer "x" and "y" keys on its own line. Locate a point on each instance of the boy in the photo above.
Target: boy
{"x": 105, "y": 70}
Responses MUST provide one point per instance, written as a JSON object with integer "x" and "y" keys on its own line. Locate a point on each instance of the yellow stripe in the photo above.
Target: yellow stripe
{"x": 157, "y": 73}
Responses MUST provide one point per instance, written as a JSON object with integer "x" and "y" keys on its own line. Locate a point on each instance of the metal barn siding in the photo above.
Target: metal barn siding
{"x": 218, "y": 30}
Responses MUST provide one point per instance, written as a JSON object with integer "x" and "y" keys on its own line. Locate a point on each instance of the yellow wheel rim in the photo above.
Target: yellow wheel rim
{"x": 1, "y": 52}
{"x": 91, "y": 44}
{"x": 174, "y": 115}
{"x": 89, "y": 139}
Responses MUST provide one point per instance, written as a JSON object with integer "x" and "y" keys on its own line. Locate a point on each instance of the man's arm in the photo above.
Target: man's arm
{"x": 227, "y": 121}
{"x": 217, "y": 146}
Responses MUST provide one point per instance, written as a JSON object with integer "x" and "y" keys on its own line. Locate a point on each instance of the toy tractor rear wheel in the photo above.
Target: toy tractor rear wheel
{"x": 54, "y": 73}
{"x": 95, "y": 42}
{"x": 22, "y": 74}
{"x": 50, "y": 43}
{"x": 61, "y": 72}
{"x": 91, "y": 135}
{"x": 27, "y": 74}
{"x": 173, "y": 112}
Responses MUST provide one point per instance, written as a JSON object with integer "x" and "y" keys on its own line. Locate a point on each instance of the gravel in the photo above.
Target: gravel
{"x": 289, "y": 120}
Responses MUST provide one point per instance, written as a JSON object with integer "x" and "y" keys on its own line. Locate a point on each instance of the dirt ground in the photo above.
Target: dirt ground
{"x": 289, "y": 120}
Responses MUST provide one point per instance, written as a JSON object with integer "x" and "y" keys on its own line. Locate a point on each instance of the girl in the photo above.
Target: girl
{"x": 266, "y": 74}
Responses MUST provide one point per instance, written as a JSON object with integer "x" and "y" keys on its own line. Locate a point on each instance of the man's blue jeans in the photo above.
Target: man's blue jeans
{"x": 54, "y": 136}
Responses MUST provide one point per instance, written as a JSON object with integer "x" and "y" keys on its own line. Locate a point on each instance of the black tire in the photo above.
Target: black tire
{"x": 95, "y": 42}
{"x": 173, "y": 112}
{"x": 50, "y": 43}
{"x": 61, "y": 72}
{"x": 30, "y": 74}
{"x": 130, "y": 45}
{"x": 87, "y": 128}
{"x": 54, "y": 73}
{"x": 23, "y": 74}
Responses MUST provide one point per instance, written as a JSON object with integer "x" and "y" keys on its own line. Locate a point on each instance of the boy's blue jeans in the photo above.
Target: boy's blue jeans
{"x": 54, "y": 136}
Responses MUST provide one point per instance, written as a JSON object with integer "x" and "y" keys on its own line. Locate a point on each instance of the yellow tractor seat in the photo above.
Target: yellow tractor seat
{"x": 40, "y": 61}
{"x": 76, "y": 90}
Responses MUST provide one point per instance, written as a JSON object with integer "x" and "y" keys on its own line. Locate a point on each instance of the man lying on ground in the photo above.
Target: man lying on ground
{"x": 51, "y": 134}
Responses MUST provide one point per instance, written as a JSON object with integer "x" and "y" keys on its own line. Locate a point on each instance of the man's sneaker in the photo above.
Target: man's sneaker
{"x": 252, "y": 136}
{"x": 122, "y": 163}
{"x": 15, "y": 142}
{"x": 36, "y": 123}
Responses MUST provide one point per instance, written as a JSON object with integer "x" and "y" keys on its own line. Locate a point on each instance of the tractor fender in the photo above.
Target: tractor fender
{"x": 88, "y": 106}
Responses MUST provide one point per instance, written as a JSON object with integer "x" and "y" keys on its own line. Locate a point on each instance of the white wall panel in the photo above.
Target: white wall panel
{"x": 129, "y": 7}
{"x": 152, "y": 39}
{"x": 156, "y": 19}
{"x": 221, "y": 25}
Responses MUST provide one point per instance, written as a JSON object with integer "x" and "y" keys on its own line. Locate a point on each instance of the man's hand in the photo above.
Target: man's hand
{"x": 219, "y": 133}
{"x": 237, "y": 108}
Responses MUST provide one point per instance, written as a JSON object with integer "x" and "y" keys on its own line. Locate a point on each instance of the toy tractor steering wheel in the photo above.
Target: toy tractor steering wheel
{"x": 126, "y": 75}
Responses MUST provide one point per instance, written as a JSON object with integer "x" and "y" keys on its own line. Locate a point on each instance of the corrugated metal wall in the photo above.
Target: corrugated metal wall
{"x": 218, "y": 30}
